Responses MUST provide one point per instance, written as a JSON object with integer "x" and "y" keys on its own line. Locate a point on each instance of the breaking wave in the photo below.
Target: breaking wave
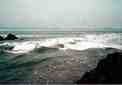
{"x": 61, "y": 43}
{"x": 57, "y": 59}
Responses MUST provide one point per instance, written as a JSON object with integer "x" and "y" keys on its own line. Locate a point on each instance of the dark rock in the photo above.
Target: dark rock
{"x": 108, "y": 71}
{"x": 1, "y": 38}
{"x": 60, "y": 45}
{"x": 72, "y": 42}
{"x": 11, "y": 37}
{"x": 6, "y": 47}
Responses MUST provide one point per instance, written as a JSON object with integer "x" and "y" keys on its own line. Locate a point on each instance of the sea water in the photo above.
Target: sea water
{"x": 53, "y": 56}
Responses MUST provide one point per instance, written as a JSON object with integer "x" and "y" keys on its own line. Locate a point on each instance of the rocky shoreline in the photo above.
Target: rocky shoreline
{"x": 10, "y": 36}
{"x": 108, "y": 71}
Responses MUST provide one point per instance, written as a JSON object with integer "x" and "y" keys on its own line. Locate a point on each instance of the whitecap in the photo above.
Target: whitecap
{"x": 74, "y": 43}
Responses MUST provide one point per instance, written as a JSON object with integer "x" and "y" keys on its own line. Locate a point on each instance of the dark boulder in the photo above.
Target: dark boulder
{"x": 108, "y": 71}
{"x": 1, "y": 38}
{"x": 60, "y": 45}
{"x": 10, "y": 37}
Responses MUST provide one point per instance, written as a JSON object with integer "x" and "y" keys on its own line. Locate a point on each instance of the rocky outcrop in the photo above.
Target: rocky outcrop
{"x": 1, "y": 38}
{"x": 107, "y": 71}
{"x": 10, "y": 37}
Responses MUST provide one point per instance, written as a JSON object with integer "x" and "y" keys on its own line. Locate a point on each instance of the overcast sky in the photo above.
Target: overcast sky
{"x": 94, "y": 15}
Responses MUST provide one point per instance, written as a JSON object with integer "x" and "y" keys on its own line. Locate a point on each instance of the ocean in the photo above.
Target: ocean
{"x": 54, "y": 56}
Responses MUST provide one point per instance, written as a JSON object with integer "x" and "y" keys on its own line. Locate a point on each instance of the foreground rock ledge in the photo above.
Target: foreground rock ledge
{"x": 107, "y": 71}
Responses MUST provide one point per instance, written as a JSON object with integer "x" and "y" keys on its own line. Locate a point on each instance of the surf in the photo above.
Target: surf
{"x": 67, "y": 58}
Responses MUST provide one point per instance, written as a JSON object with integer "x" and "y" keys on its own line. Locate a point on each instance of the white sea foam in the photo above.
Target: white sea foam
{"x": 69, "y": 43}
{"x": 76, "y": 43}
{"x": 23, "y": 47}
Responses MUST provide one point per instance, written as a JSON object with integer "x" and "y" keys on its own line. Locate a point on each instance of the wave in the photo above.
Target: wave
{"x": 60, "y": 43}
{"x": 65, "y": 58}
{"x": 51, "y": 64}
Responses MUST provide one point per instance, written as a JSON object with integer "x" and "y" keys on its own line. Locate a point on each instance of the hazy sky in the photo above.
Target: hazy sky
{"x": 61, "y": 15}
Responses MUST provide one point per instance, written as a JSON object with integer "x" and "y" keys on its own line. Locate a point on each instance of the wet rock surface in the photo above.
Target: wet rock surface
{"x": 51, "y": 65}
{"x": 10, "y": 37}
{"x": 108, "y": 70}
{"x": 67, "y": 67}
{"x": 1, "y": 38}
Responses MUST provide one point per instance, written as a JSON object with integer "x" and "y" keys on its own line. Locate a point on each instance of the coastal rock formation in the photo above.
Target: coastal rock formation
{"x": 10, "y": 37}
{"x": 107, "y": 71}
{"x": 1, "y": 38}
